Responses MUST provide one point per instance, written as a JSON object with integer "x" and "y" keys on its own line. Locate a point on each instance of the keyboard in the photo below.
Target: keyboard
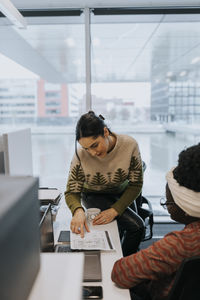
{"x": 64, "y": 249}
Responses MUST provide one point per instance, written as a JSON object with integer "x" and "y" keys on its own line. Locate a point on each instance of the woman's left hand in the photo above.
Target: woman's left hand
{"x": 105, "y": 217}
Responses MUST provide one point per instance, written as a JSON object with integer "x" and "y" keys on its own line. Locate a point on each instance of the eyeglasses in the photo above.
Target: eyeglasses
{"x": 164, "y": 203}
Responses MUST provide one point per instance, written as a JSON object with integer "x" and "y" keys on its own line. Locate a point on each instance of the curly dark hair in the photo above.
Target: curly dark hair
{"x": 187, "y": 172}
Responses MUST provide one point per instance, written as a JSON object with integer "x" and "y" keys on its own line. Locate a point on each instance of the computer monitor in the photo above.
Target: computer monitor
{"x": 19, "y": 236}
{"x": 16, "y": 153}
{"x": 46, "y": 231}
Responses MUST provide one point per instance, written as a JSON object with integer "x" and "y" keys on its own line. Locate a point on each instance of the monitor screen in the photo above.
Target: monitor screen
{"x": 16, "y": 156}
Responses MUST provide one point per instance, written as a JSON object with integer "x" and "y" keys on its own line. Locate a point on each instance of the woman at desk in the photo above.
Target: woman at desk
{"x": 105, "y": 172}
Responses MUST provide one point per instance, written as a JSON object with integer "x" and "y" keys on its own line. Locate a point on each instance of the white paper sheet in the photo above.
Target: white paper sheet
{"x": 94, "y": 240}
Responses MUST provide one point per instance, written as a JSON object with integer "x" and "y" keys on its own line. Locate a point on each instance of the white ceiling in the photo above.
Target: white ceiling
{"x": 100, "y": 3}
{"x": 129, "y": 48}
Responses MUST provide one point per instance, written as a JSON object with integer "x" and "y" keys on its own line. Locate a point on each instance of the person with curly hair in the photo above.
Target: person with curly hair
{"x": 187, "y": 172}
{"x": 150, "y": 273}
{"x": 105, "y": 173}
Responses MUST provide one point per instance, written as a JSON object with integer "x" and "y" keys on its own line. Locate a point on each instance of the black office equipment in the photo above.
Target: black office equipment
{"x": 46, "y": 231}
{"x": 145, "y": 213}
{"x": 92, "y": 292}
{"x": 19, "y": 236}
{"x": 92, "y": 259}
{"x": 64, "y": 236}
{"x": 187, "y": 281}
{"x": 47, "y": 234}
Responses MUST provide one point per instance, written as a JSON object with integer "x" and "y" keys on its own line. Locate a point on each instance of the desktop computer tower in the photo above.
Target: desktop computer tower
{"x": 19, "y": 236}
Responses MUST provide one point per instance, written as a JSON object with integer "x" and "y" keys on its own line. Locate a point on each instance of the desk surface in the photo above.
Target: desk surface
{"x": 108, "y": 258}
{"x": 60, "y": 277}
{"x": 110, "y": 290}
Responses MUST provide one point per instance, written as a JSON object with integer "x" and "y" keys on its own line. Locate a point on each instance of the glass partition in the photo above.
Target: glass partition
{"x": 43, "y": 79}
{"x": 145, "y": 81}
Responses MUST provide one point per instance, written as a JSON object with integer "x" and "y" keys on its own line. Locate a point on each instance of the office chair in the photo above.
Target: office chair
{"x": 187, "y": 281}
{"x": 145, "y": 213}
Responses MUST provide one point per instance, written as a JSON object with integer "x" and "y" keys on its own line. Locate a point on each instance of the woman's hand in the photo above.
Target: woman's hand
{"x": 78, "y": 222}
{"x": 105, "y": 217}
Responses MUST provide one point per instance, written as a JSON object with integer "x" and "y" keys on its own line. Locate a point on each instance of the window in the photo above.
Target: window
{"x": 144, "y": 80}
{"x": 56, "y": 58}
{"x": 143, "y": 76}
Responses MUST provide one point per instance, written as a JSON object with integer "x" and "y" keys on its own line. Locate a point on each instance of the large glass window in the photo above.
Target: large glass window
{"x": 138, "y": 61}
{"x": 44, "y": 69}
{"x": 145, "y": 80}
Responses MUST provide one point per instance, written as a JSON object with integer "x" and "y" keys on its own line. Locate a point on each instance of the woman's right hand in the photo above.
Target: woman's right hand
{"x": 78, "y": 222}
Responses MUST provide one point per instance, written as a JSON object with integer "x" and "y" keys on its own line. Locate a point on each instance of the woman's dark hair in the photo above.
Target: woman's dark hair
{"x": 187, "y": 172}
{"x": 90, "y": 124}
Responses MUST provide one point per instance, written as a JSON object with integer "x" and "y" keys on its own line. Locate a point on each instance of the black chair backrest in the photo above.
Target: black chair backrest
{"x": 145, "y": 213}
{"x": 187, "y": 281}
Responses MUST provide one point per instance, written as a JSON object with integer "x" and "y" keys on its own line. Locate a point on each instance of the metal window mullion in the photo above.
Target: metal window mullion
{"x": 88, "y": 103}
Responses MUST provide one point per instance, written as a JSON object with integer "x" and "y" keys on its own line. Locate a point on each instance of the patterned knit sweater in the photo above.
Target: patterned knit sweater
{"x": 120, "y": 171}
{"x": 159, "y": 262}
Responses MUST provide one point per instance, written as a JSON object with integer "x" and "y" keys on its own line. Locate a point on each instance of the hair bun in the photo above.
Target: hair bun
{"x": 101, "y": 117}
{"x": 90, "y": 112}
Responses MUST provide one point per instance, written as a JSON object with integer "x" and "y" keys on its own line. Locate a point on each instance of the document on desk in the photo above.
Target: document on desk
{"x": 93, "y": 240}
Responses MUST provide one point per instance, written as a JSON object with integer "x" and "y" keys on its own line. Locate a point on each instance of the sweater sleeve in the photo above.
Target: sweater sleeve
{"x": 135, "y": 178}
{"x": 153, "y": 263}
{"x": 75, "y": 184}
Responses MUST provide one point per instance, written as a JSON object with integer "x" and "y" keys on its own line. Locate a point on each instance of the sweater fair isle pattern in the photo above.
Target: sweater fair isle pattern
{"x": 120, "y": 171}
{"x": 154, "y": 268}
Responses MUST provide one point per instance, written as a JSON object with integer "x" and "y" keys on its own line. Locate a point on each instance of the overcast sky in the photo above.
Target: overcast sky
{"x": 10, "y": 69}
{"x": 139, "y": 93}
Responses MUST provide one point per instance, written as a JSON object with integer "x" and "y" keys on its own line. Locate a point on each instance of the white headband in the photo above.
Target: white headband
{"x": 186, "y": 199}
